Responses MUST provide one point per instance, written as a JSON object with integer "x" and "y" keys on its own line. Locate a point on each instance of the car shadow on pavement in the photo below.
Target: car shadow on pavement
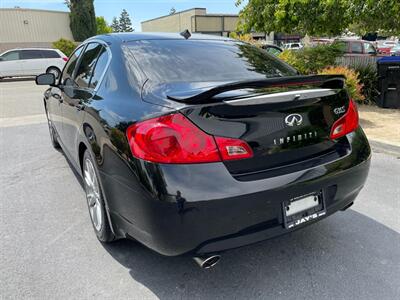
{"x": 341, "y": 257}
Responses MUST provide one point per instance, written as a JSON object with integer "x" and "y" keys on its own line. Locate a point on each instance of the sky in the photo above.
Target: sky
{"x": 139, "y": 10}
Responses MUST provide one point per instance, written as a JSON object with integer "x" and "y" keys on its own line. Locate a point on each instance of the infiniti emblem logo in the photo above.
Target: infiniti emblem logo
{"x": 294, "y": 120}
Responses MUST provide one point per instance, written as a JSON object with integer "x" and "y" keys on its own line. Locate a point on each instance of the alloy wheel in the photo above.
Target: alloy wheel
{"x": 93, "y": 194}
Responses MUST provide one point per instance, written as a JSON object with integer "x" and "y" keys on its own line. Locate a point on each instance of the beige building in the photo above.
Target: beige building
{"x": 195, "y": 20}
{"x": 20, "y": 27}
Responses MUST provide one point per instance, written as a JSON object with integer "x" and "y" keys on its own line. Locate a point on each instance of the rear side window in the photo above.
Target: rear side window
{"x": 100, "y": 67}
{"x": 31, "y": 54}
{"x": 369, "y": 48}
{"x": 50, "y": 54}
{"x": 205, "y": 60}
{"x": 68, "y": 72}
{"x": 342, "y": 46}
{"x": 86, "y": 66}
{"x": 12, "y": 55}
{"x": 356, "y": 48}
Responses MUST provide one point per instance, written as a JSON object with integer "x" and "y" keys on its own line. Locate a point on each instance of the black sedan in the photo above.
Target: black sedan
{"x": 199, "y": 144}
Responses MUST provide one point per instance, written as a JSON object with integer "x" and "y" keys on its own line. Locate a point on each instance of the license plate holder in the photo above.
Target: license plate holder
{"x": 303, "y": 209}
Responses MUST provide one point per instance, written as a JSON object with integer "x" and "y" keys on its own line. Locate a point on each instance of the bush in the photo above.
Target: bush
{"x": 66, "y": 46}
{"x": 310, "y": 60}
{"x": 368, "y": 77}
{"x": 353, "y": 85}
{"x": 247, "y": 38}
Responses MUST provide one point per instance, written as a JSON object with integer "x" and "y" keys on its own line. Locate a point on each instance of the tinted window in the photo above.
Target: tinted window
{"x": 66, "y": 77}
{"x": 50, "y": 54}
{"x": 87, "y": 64}
{"x": 101, "y": 64}
{"x": 200, "y": 60}
{"x": 12, "y": 55}
{"x": 31, "y": 54}
{"x": 356, "y": 48}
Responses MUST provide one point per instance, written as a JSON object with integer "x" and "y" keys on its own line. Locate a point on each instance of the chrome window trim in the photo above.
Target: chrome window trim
{"x": 105, "y": 45}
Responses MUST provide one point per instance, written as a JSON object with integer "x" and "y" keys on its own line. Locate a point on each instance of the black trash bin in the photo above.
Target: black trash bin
{"x": 389, "y": 82}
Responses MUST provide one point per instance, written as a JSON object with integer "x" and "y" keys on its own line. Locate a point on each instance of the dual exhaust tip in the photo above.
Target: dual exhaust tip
{"x": 207, "y": 262}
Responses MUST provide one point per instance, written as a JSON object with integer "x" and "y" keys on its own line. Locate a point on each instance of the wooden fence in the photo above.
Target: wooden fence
{"x": 354, "y": 61}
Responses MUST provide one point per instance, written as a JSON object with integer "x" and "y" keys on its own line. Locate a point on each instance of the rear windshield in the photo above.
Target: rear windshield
{"x": 205, "y": 60}
{"x": 50, "y": 54}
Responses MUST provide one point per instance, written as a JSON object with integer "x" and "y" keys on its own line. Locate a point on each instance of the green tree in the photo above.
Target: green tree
{"x": 314, "y": 17}
{"x": 115, "y": 25}
{"x": 319, "y": 17}
{"x": 125, "y": 23}
{"x": 102, "y": 26}
{"x": 376, "y": 16}
{"x": 82, "y": 19}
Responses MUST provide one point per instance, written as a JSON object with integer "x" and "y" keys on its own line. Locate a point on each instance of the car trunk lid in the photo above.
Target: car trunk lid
{"x": 284, "y": 121}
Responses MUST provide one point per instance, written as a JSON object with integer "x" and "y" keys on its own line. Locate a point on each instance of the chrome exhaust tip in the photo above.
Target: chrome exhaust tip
{"x": 207, "y": 262}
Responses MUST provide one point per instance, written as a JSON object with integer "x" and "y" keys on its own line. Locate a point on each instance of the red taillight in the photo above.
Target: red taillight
{"x": 65, "y": 58}
{"x": 347, "y": 123}
{"x": 174, "y": 139}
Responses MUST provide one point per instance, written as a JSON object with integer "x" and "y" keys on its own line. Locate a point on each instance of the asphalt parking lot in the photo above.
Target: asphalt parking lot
{"x": 48, "y": 249}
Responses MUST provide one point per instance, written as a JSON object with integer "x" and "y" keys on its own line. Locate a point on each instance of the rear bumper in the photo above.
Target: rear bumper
{"x": 178, "y": 209}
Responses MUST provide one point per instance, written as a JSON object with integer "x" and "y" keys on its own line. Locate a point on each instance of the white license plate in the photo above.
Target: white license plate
{"x": 301, "y": 205}
{"x": 303, "y": 209}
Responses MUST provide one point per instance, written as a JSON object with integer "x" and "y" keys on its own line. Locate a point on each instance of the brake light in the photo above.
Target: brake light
{"x": 347, "y": 123}
{"x": 65, "y": 58}
{"x": 174, "y": 139}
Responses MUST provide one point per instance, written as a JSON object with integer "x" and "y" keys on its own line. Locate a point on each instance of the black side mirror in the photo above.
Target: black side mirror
{"x": 46, "y": 79}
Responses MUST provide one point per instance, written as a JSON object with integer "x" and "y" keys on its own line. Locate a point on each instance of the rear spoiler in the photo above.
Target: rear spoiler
{"x": 322, "y": 81}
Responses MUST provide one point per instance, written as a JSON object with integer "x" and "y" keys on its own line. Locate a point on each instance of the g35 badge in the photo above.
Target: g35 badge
{"x": 340, "y": 110}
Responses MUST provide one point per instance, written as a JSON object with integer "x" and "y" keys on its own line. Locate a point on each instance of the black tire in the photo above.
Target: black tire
{"x": 103, "y": 232}
{"x": 53, "y": 135}
{"x": 54, "y": 70}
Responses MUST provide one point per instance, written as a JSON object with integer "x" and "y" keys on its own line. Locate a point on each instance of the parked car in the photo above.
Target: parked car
{"x": 395, "y": 51}
{"x": 384, "y": 47}
{"x": 31, "y": 62}
{"x": 292, "y": 46}
{"x": 199, "y": 144}
{"x": 356, "y": 47}
{"x": 272, "y": 49}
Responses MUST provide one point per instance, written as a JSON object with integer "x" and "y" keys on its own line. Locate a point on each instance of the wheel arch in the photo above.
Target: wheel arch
{"x": 81, "y": 151}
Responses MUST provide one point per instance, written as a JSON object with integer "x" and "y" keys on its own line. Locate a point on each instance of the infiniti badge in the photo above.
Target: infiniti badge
{"x": 294, "y": 119}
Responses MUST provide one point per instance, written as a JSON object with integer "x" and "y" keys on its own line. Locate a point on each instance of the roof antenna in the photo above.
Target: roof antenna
{"x": 186, "y": 34}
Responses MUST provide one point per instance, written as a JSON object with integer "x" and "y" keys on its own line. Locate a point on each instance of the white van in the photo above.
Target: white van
{"x": 31, "y": 62}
